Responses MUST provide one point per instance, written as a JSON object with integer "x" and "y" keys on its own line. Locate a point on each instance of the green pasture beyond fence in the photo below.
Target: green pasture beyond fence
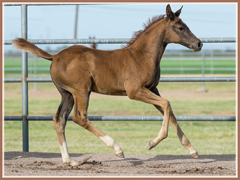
{"x": 171, "y": 63}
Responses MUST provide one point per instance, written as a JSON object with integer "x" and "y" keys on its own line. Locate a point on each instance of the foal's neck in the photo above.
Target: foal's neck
{"x": 151, "y": 43}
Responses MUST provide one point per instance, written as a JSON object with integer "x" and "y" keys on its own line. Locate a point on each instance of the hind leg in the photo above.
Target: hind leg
{"x": 60, "y": 120}
{"x": 80, "y": 117}
{"x": 182, "y": 137}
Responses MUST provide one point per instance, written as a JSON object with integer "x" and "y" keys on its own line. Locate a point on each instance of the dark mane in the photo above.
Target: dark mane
{"x": 146, "y": 26}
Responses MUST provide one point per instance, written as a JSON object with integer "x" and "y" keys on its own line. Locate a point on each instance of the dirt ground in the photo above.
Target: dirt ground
{"x": 99, "y": 165}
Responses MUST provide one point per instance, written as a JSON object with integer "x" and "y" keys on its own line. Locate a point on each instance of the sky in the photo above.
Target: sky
{"x": 119, "y": 21}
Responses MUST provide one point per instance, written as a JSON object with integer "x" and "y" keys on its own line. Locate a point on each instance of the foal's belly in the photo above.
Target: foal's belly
{"x": 108, "y": 86}
{"x": 111, "y": 93}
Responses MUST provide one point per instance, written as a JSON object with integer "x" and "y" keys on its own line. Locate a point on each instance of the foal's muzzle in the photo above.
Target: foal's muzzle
{"x": 197, "y": 45}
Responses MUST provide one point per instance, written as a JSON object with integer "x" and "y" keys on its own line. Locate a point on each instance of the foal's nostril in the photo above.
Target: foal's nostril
{"x": 199, "y": 44}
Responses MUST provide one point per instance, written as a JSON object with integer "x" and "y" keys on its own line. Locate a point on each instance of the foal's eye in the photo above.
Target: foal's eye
{"x": 181, "y": 28}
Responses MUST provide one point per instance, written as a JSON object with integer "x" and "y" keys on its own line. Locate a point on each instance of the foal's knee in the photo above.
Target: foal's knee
{"x": 167, "y": 106}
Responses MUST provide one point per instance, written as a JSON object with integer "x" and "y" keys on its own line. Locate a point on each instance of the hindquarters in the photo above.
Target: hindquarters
{"x": 70, "y": 70}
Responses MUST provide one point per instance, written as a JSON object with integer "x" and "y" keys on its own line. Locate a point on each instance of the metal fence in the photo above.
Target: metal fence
{"x": 24, "y": 80}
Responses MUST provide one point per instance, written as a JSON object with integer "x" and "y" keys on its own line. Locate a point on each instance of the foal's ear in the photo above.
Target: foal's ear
{"x": 169, "y": 13}
{"x": 177, "y": 13}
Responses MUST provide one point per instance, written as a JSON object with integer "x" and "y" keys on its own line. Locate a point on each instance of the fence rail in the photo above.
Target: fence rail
{"x": 111, "y": 41}
{"x": 162, "y": 79}
{"x": 128, "y": 118}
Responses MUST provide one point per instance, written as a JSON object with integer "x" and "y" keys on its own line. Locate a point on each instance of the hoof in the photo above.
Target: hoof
{"x": 150, "y": 145}
{"x": 120, "y": 154}
{"x": 72, "y": 163}
{"x": 84, "y": 160}
{"x": 195, "y": 155}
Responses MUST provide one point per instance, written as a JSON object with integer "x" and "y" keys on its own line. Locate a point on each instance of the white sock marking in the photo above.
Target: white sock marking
{"x": 111, "y": 143}
{"x": 64, "y": 152}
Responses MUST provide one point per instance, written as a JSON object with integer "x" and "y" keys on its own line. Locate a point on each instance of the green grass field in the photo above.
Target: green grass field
{"x": 133, "y": 137}
{"x": 165, "y": 65}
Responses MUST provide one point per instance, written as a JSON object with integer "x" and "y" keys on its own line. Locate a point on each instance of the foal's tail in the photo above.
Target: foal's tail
{"x": 25, "y": 45}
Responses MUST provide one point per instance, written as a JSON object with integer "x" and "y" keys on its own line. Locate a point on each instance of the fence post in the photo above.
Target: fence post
{"x": 25, "y": 137}
{"x": 181, "y": 64}
{"x": 203, "y": 69}
{"x": 212, "y": 68}
{"x": 76, "y": 23}
{"x": 35, "y": 72}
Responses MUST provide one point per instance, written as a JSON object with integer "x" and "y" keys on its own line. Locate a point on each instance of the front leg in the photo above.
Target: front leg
{"x": 182, "y": 137}
{"x": 145, "y": 95}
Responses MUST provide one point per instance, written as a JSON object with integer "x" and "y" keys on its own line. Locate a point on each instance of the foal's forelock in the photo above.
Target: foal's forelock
{"x": 146, "y": 26}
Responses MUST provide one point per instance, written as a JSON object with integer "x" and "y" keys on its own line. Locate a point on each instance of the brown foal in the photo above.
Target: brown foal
{"x": 133, "y": 71}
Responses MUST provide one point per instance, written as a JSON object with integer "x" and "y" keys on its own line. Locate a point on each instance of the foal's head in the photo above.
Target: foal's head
{"x": 178, "y": 32}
